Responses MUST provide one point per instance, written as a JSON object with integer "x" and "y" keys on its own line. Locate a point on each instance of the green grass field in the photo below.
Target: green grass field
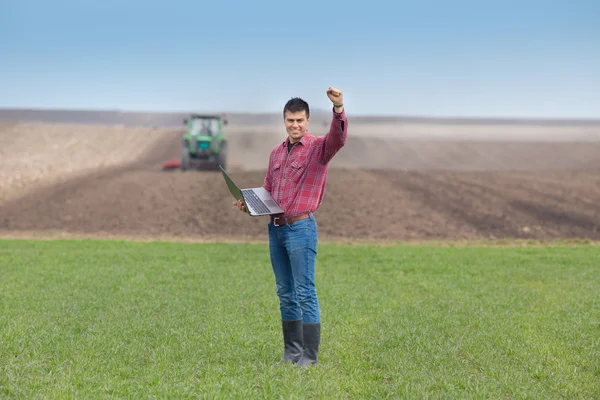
{"x": 103, "y": 319}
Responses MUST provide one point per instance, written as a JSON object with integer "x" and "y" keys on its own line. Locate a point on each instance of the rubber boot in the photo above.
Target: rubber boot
{"x": 292, "y": 340}
{"x": 311, "y": 338}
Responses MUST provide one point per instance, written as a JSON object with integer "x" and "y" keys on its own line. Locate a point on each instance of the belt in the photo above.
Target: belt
{"x": 280, "y": 221}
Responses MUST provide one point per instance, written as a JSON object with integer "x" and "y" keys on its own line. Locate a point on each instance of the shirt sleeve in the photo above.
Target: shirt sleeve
{"x": 267, "y": 181}
{"x": 335, "y": 139}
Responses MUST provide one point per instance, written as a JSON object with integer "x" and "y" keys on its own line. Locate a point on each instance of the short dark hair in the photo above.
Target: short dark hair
{"x": 296, "y": 104}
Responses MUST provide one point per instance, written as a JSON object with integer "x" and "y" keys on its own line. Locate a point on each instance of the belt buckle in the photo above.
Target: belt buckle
{"x": 275, "y": 221}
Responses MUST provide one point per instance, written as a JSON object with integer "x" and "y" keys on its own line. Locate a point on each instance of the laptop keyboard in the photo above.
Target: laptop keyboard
{"x": 255, "y": 202}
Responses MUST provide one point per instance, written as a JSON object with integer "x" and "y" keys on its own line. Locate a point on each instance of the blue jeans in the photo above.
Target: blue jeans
{"x": 293, "y": 250}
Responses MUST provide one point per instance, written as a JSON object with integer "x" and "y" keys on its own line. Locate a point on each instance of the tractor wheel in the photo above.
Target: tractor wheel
{"x": 222, "y": 160}
{"x": 185, "y": 159}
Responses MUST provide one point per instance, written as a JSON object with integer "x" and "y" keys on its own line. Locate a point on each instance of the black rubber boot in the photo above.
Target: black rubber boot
{"x": 292, "y": 340}
{"x": 312, "y": 338}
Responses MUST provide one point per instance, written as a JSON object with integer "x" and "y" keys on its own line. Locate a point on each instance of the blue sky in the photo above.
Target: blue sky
{"x": 442, "y": 58}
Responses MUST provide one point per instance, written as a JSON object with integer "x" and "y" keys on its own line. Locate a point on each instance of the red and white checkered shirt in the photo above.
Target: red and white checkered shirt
{"x": 297, "y": 179}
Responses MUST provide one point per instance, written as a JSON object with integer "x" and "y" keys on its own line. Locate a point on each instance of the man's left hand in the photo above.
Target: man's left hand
{"x": 336, "y": 96}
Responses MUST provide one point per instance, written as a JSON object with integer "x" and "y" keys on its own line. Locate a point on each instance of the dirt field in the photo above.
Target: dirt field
{"x": 67, "y": 179}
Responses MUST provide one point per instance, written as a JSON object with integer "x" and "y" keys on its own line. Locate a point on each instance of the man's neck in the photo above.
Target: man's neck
{"x": 290, "y": 145}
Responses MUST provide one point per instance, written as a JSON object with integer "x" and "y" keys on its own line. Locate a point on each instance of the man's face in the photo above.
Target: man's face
{"x": 295, "y": 124}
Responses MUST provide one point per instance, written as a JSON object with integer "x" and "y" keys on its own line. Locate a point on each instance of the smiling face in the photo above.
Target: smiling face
{"x": 296, "y": 116}
{"x": 296, "y": 124}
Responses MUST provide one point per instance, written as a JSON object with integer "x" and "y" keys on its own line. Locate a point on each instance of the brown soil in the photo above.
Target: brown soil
{"x": 135, "y": 198}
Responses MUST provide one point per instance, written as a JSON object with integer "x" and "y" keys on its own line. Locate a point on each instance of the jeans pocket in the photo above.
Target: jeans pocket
{"x": 299, "y": 226}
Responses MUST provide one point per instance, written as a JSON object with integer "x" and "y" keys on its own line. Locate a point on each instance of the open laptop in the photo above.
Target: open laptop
{"x": 257, "y": 200}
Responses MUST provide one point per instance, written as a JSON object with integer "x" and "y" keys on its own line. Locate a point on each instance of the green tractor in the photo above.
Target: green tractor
{"x": 204, "y": 142}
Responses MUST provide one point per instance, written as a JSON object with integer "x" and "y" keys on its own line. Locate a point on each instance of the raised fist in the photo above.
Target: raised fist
{"x": 336, "y": 96}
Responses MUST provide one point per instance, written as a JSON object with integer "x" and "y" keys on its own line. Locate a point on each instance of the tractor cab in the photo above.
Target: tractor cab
{"x": 203, "y": 141}
{"x": 204, "y": 127}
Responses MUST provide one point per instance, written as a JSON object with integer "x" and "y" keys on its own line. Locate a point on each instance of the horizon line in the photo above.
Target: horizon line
{"x": 321, "y": 111}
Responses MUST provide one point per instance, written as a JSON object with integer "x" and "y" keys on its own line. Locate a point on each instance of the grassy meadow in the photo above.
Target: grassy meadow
{"x": 104, "y": 319}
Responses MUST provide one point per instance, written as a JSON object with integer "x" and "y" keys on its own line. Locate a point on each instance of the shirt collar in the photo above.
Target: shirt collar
{"x": 304, "y": 140}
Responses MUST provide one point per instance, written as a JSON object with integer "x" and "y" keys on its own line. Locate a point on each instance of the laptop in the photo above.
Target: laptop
{"x": 257, "y": 200}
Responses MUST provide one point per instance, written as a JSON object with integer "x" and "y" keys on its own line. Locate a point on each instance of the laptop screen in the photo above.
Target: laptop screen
{"x": 233, "y": 189}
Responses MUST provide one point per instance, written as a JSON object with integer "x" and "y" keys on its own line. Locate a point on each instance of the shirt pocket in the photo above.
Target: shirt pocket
{"x": 297, "y": 170}
{"x": 276, "y": 175}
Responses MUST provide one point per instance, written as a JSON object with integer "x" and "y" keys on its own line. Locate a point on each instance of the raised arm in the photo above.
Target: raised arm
{"x": 338, "y": 130}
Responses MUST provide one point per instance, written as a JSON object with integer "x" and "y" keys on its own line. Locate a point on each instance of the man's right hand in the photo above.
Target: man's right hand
{"x": 240, "y": 205}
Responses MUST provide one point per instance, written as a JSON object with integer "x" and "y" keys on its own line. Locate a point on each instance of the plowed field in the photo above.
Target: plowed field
{"x": 108, "y": 181}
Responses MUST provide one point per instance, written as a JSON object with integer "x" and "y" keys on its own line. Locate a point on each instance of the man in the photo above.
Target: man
{"x": 296, "y": 178}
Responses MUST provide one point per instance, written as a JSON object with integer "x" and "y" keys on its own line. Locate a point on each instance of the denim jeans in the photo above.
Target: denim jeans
{"x": 293, "y": 250}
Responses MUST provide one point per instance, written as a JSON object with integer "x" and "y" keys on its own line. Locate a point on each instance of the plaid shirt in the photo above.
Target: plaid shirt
{"x": 297, "y": 179}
